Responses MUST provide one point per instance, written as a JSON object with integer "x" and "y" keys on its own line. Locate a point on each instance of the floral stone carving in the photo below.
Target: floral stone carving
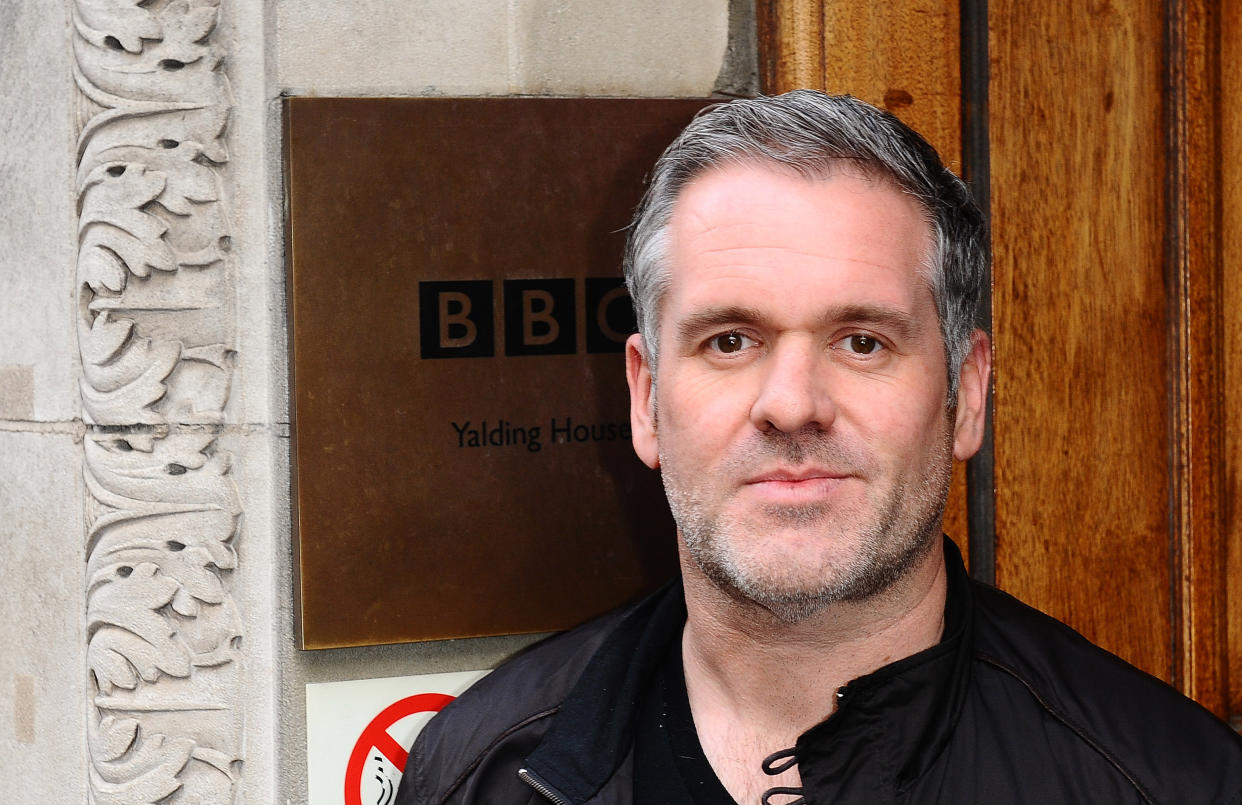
{"x": 156, "y": 326}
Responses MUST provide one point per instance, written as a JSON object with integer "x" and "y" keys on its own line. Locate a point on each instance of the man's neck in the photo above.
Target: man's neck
{"x": 756, "y": 683}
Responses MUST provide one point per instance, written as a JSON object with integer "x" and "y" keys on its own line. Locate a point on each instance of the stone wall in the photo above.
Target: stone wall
{"x": 42, "y": 496}
{"x": 146, "y": 610}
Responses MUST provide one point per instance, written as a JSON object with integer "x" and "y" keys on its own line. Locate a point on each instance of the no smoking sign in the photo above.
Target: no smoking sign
{"x": 376, "y": 745}
{"x": 358, "y": 734}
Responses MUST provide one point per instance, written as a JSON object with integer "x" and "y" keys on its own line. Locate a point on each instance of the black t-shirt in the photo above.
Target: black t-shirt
{"x": 670, "y": 767}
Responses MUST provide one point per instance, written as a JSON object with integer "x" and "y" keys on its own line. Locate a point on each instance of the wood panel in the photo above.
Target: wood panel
{"x": 903, "y": 56}
{"x": 1197, "y": 535}
{"x": 1230, "y": 167}
{"x": 1081, "y": 424}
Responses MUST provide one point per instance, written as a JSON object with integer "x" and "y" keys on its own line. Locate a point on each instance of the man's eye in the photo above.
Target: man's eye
{"x": 730, "y": 342}
{"x": 861, "y": 344}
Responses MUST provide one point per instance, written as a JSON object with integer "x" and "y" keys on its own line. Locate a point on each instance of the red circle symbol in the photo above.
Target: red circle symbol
{"x": 376, "y": 735}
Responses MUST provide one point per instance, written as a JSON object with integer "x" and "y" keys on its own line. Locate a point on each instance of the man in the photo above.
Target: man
{"x": 807, "y": 276}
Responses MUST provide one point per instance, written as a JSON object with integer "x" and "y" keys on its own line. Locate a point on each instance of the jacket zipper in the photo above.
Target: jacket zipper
{"x": 543, "y": 788}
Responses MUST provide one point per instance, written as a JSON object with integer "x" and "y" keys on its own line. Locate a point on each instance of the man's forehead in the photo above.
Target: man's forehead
{"x": 744, "y": 241}
{"x": 731, "y": 214}
{"x": 761, "y": 194}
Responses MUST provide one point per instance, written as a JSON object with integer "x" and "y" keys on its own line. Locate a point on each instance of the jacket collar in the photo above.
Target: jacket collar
{"x": 594, "y": 728}
{"x": 890, "y": 725}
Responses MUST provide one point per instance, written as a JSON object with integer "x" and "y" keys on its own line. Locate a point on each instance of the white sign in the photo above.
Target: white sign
{"x": 359, "y": 733}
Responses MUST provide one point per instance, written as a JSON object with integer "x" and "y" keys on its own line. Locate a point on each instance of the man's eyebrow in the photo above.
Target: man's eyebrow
{"x": 705, "y": 321}
{"x": 888, "y": 319}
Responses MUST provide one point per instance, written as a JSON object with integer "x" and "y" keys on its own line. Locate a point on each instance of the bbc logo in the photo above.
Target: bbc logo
{"x": 457, "y": 318}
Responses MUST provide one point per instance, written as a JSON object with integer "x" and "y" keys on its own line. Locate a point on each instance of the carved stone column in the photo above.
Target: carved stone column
{"x": 156, "y": 331}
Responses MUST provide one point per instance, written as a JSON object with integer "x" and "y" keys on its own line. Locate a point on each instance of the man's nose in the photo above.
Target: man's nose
{"x": 793, "y": 389}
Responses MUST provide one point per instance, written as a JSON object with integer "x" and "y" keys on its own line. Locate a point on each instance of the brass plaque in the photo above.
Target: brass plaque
{"x": 463, "y": 464}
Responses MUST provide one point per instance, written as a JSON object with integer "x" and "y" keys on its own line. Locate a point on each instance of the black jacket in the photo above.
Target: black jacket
{"x": 1010, "y": 707}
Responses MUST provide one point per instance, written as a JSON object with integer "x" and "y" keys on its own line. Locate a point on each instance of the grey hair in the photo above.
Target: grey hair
{"x": 815, "y": 135}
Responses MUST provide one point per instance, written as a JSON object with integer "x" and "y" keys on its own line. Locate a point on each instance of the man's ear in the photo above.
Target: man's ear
{"x": 972, "y": 397}
{"x": 642, "y": 401}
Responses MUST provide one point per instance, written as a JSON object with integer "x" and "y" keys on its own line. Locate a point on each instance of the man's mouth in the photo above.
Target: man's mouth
{"x": 795, "y": 475}
{"x": 796, "y": 485}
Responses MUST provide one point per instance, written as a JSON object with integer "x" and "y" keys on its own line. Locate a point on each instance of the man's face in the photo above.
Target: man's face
{"x": 799, "y": 416}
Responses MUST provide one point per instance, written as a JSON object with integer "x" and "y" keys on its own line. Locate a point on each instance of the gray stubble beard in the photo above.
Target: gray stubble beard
{"x": 888, "y": 547}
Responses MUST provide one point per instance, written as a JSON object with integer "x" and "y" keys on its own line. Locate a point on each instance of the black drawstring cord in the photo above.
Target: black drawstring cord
{"x": 793, "y": 792}
{"x": 778, "y": 763}
{"x": 787, "y": 755}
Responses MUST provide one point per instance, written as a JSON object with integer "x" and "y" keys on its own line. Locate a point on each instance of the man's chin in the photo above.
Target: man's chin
{"x": 770, "y": 586}
{"x": 779, "y": 578}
